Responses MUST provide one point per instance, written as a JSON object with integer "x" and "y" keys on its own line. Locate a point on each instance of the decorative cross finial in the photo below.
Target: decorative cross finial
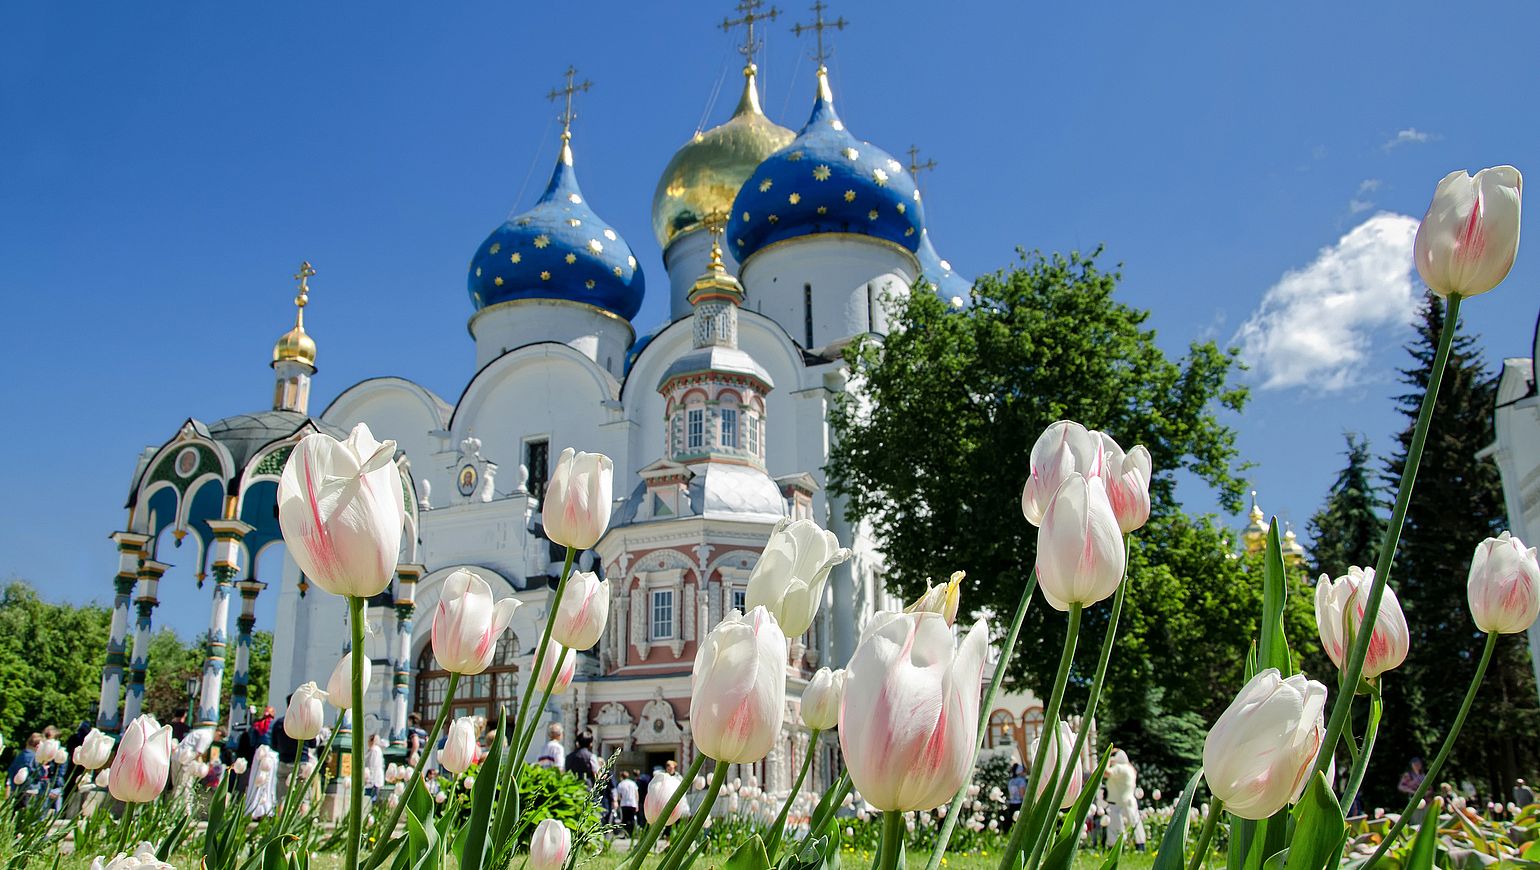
{"x": 572, "y": 86}
{"x": 818, "y": 27}
{"x": 303, "y": 277}
{"x": 915, "y": 166}
{"x": 750, "y": 14}
{"x": 716, "y": 224}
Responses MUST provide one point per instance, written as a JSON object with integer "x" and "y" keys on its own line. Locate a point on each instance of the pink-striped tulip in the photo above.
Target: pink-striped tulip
{"x": 659, "y": 791}
{"x": 467, "y": 623}
{"x": 1339, "y": 614}
{"x": 738, "y": 688}
{"x": 1504, "y": 585}
{"x": 1257, "y": 758}
{"x": 339, "y": 689}
{"x": 558, "y": 678}
{"x": 459, "y": 751}
{"x": 1063, "y": 449}
{"x": 1468, "y": 240}
{"x": 143, "y": 762}
{"x": 1060, "y": 763}
{"x": 911, "y": 709}
{"x": 1080, "y": 555}
{"x": 583, "y": 611}
{"x": 1127, "y": 476}
{"x": 549, "y": 845}
{"x": 578, "y": 501}
{"x": 306, "y": 715}
{"x": 341, "y": 511}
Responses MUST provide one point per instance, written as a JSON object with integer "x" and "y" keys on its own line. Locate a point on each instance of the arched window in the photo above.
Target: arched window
{"x": 1000, "y": 722}
{"x": 484, "y": 694}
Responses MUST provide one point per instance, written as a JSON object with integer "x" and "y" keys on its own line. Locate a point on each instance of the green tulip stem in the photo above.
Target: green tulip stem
{"x": 698, "y": 817}
{"x": 1045, "y": 835}
{"x": 1355, "y": 665}
{"x": 383, "y": 848}
{"x": 356, "y": 799}
{"x": 1206, "y": 839}
{"x": 1443, "y": 752}
{"x": 125, "y": 825}
{"x": 780, "y": 821}
{"x": 527, "y": 739}
{"x": 291, "y": 806}
{"x": 1008, "y": 858}
{"x": 655, "y": 827}
{"x": 893, "y": 829}
{"x": 1006, "y": 651}
{"x": 1361, "y": 763}
{"x": 519, "y": 722}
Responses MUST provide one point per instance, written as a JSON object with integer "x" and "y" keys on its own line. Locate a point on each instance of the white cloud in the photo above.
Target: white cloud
{"x": 1362, "y": 201}
{"x": 1409, "y": 136}
{"x": 1316, "y": 326}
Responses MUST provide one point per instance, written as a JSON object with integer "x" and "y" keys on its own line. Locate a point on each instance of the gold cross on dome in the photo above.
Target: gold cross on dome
{"x": 818, "y": 26}
{"x": 750, "y": 14}
{"x": 572, "y": 86}
{"x": 915, "y": 166}
{"x": 303, "y": 277}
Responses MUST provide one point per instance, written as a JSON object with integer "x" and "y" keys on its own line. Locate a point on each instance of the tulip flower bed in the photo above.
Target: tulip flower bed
{"x": 906, "y": 706}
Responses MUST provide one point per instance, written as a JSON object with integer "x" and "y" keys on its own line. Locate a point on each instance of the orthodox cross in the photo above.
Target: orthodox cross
{"x": 303, "y": 277}
{"x": 571, "y": 87}
{"x": 915, "y": 166}
{"x": 751, "y": 14}
{"x": 818, "y": 27}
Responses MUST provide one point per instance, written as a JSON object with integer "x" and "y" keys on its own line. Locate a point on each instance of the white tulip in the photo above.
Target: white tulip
{"x": 659, "y": 791}
{"x": 788, "y": 580}
{"x": 549, "y": 845}
{"x": 578, "y": 501}
{"x": 341, "y": 510}
{"x": 459, "y": 751}
{"x": 738, "y": 688}
{"x": 339, "y": 689}
{"x": 1467, "y": 242}
{"x": 821, "y": 699}
{"x": 467, "y": 623}
{"x": 1060, "y": 763}
{"x": 306, "y": 714}
{"x": 143, "y": 761}
{"x": 1257, "y": 758}
{"x": 1504, "y": 585}
{"x": 582, "y": 612}
{"x": 549, "y": 675}
{"x": 95, "y": 751}
{"x": 1339, "y": 614}
{"x": 1064, "y": 448}
{"x": 942, "y": 598}
{"x": 1080, "y": 554}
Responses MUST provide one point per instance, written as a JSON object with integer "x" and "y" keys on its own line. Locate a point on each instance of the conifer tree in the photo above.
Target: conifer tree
{"x": 1456, "y": 504}
{"x": 1348, "y": 528}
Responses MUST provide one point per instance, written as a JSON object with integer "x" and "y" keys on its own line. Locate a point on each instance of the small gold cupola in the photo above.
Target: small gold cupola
{"x": 294, "y": 353}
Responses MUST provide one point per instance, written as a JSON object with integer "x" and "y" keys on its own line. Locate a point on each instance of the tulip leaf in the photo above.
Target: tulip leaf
{"x": 1318, "y": 828}
{"x": 482, "y": 794}
{"x": 749, "y": 856}
{"x": 1273, "y": 648}
{"x": 1062, "y": 855}
{"x": 1425, "y": 844}
{"x": 1114, "y": 855}
{"x": 1172, "y": 854}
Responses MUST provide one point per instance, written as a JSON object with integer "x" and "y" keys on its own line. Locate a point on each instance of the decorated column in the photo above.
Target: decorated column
{"x": 406, "y": 593}
{"x": 227, "y": 552}
{"x": 150, "y": 573}
{"x": 130, "y": 547}
{"x": 243, "y": 626}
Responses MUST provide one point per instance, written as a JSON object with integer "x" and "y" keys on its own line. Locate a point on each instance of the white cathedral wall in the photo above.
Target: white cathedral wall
{"x": 599, "y": 335}
{"x": 404, "y": 412}
{"x": 844, "y": 275}
{"x": 1517, "y": 454}
{"x": 686, "y": 259}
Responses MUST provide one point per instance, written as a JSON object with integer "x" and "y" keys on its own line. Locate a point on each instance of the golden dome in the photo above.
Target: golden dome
{"x": 704, "y": 176}
{"x": 296, "y": 345}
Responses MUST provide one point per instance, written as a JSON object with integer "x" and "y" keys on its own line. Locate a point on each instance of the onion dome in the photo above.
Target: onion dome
{"x": 826, "y": 181}
{"x": 949, "y": 285}
{"x": 296, "y": 345}
{"x": 703, "y": 176}
{"x": 559, "y": 249}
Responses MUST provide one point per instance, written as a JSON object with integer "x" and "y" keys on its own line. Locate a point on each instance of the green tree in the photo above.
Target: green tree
{"x": 1456, "y": 504}
{"x": 932, "y": 451}
{"x": 172, "y": 663}
{"x": 45, "y": 677}
{"x": 1348, "y": 529}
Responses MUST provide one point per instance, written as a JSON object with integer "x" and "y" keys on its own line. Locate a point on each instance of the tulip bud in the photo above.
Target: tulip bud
{"x": 911, "y": 709}
{"x": 1127, "y": 477}
{"x": 47, "y": 751}
{"x": 942, "y": 598}
{"x": 19, "y": 777}
{"x": 821, "y": 699}
{"x": 1504, "y": 585}
{"x": 143, "y": 761}
{"x": 339, "y": 689}
{"x": 306, "y": 714}
{"x": 700, "y": 783}
{"x": 1257, "y": 758}
{"x": 1336, "y": 599}
{"x": 1080, "y": 555}
{"x": 459, "y": 750}
{"x": 582, "y": 612}
{"x": 95, "y": 751}
{"x": 738, "y": 688}
{"x": 788, "y": 580}
{"x": 659, "y": 791}
{"x": 1468, "y": 240}
{"x": 1064, "y": 448}
{"x": 1060, "y": 763}
{"x": 549, "y": 845}
{"x": 103, "y": 776}
{"x": 239, "y": 767}
{"x": 578, "y": 501}
{"x": 556, "y": 654}
{"x": 467, "y": 624}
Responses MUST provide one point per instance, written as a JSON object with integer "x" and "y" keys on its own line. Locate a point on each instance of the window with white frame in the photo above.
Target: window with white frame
{"x": 752, "y": 422}
{"x": 740, "y": 600}
{"x": 730, "y": 427}
{"x": 662, "y": 614}
{"x": 694, "y": 428}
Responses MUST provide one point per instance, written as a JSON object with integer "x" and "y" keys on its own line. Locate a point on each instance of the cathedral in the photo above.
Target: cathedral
{"x": 780, "y": 246}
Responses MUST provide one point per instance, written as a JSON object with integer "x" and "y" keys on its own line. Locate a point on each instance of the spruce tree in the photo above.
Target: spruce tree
{"x": 1348, "y": 528}
{"x": 1456, "y": 504}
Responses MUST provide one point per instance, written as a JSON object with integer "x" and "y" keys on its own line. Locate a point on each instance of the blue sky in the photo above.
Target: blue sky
{"x": 164, "y": 167}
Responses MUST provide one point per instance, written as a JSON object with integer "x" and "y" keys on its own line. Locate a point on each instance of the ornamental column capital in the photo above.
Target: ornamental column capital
{"x": 229, "y": 529}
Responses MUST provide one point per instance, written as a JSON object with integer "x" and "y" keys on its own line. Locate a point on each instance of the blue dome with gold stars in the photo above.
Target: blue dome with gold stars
{"x": 949, "y": 285}
{"x": 826, "y": 181}
{"x": 559, "y": 249}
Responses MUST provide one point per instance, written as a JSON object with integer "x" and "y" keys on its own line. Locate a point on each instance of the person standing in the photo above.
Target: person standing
{"x": 554, "y": 748}
{"x": 26, "y": 760}
{"x": 374, "y": 767}
{"x": 582, "y": 760}
{"x": 1523, "y": 795}
{"x": 628, "y": 798}
{"x": 1015, "y": 793}
{"x": 1123, "y": 801}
